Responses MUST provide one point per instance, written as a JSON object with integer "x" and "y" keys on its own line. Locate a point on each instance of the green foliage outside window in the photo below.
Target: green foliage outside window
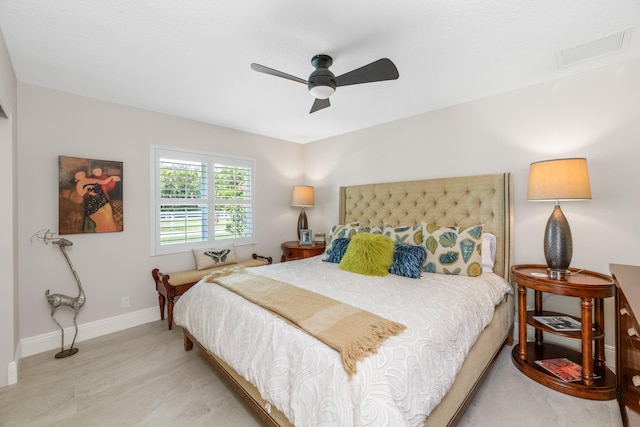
{"x": 180, "y": 180}
{"x": 189, "y": 181}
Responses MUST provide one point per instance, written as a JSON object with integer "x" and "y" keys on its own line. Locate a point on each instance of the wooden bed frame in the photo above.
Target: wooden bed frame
{"x": 484, "y": 199}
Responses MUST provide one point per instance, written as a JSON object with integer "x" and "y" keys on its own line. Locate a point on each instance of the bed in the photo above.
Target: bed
{"x": 460, "y": 202}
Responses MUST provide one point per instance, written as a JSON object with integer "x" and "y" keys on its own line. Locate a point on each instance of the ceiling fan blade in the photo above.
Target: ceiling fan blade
{"x": 319, "y": 104}
{"x": 382, "y": 69}
{"x": 262, "y": 69}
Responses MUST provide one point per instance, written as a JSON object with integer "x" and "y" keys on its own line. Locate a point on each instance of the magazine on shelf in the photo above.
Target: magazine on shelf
{"x": 560, "y": 323}
{"x": 564, "y": 369}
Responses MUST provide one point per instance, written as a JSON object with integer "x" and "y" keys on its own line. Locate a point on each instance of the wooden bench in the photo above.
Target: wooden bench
{"x": 172, "y": 285}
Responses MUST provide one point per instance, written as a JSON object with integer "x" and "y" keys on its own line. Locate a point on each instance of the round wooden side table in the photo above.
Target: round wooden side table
{"x": 597, "y": 382}
{"x": 294, "y": 250}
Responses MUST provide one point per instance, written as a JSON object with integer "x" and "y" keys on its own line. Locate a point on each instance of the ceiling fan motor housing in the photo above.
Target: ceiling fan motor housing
{"x": 322, "y": 82}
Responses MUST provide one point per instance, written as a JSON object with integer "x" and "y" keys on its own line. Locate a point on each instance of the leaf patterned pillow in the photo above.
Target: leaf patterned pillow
{"x": 405, "y": 235}
{"x": 341, "y": 231}
{"x": 373, "y": 229}
{"x": 453, "y": 250}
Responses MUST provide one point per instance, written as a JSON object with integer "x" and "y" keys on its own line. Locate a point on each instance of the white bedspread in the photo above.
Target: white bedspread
{"x": 305, "y": 379}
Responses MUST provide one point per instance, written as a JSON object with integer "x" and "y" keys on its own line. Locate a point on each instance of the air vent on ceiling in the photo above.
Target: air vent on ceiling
{"x": 602, "y": 46}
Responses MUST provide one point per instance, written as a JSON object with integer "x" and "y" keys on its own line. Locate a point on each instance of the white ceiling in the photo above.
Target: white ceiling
{"x": 191, "y": 58}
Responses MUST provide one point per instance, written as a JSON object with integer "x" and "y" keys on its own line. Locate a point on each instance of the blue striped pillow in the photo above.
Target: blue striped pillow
{"x": 339, "y": 248}
{"x": 408, "y": 260}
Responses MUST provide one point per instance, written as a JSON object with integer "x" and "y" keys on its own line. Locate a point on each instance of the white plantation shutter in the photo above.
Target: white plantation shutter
{"x": 183, "y": 202}
{"x": 200, "y": 198}
{"x": 233, "y": 201}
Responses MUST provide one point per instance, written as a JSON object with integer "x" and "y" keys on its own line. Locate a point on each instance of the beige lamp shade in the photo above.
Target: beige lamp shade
{"x": 560, "y": 179}
{"x": 302, "y": 196}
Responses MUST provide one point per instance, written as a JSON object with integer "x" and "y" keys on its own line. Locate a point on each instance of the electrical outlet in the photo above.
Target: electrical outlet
{"x": 126, "y": 302}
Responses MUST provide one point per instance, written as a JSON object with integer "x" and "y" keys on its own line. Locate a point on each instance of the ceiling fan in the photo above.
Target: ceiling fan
{"x": 322, "y": 83}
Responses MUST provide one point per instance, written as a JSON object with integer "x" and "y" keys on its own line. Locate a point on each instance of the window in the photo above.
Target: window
{"x": 200, "y": 200}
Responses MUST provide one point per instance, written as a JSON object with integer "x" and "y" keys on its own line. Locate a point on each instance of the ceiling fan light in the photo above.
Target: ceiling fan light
{"x": 322, "y": 91}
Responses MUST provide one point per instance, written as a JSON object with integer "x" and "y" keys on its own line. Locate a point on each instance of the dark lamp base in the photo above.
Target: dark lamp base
{"x": 558, "y": 245}
{"x": 302, "y": 222}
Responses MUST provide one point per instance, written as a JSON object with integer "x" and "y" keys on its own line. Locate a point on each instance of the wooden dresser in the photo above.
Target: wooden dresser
{"x": 627, "y": 278}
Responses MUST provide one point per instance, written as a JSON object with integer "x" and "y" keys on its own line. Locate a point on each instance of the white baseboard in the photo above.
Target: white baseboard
{"x": 12, "y": 373}
{"x": 52, "y": 340}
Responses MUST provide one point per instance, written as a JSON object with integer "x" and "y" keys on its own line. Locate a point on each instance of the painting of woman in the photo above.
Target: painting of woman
{"x": 90, "y": 195}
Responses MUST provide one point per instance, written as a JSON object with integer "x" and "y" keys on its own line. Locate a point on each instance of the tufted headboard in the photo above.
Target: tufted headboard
{"x": 460, "y": 201}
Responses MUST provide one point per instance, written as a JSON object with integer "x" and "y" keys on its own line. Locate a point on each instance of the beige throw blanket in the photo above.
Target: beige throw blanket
{"x": 353, "y": 332}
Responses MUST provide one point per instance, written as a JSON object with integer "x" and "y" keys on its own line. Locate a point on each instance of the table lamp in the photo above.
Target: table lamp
{"x": 555, "y": 180}
{"x": 302, "y": 197}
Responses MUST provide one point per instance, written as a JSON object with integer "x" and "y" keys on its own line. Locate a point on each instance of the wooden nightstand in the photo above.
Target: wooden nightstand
{"x": 598, "y": 382}
{"x": 293, "y": 250}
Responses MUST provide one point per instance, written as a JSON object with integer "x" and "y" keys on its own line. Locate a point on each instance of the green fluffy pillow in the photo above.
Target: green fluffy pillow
{"x": 369, "y": 254}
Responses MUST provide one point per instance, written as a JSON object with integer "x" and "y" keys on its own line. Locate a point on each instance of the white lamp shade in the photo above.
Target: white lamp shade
{"x": 559, "y": 179}
{"x": 302, "y": 196}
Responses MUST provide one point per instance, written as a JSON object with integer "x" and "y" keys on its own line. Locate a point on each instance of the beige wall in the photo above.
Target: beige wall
{"x": 113, "y": 265}
{"x": 593, "y": 115}
{"x": 9, "y": 334}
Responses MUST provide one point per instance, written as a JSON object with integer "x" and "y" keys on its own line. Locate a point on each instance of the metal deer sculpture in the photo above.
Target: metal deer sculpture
{"x": 60, "y": 300}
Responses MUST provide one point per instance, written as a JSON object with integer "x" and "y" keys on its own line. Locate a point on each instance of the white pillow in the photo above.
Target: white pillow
{"x": 488, "y": 252}
{"x": 215, "y": 257}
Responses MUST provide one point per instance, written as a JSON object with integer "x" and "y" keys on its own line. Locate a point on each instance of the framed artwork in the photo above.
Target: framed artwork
{"x": 305, "y": 237}
{"x": 89, "y": 196}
